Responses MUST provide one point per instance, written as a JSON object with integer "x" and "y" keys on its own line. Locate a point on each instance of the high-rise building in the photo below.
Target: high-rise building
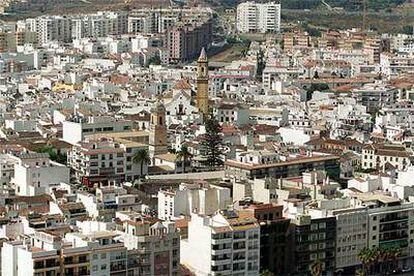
{"x": 222, "y": 244}
{"x": 153, "y": 246}
{"x": 258, "y": 17}
{"x": 274, "y": 235}
{"x": 184, "y": 42}
{"x": 50, "y": 28}
{"x": 314, "y": 241}
{"x": 202, "y": 83}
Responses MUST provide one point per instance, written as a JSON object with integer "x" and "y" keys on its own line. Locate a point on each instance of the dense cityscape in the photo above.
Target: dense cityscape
{"x": 206, "y": 138}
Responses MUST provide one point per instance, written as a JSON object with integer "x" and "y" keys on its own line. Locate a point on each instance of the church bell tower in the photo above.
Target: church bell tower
{"x": 158, "y": 131}
{"x": 202, "y": 83}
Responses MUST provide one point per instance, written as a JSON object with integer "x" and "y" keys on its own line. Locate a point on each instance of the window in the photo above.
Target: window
{"x": 103, "y": 256}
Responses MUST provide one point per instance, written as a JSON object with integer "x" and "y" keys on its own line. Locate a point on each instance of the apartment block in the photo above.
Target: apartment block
{"x": 275, "y": 237}
{"x": 35, "y": 174}
{"x": 226, "y": 244}
{"x": 153, "y": 246}
{"x": 377, "y": 156}
{"x": 184, "y": 42}
{"x": 258, "y": 17}
{"x": 204, "y": 198}
{"x": 105, "y": 160}
{"x": 314, "y": 240}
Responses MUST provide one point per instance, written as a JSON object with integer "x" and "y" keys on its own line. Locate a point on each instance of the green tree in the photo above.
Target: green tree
{"x": 53, "y": 155}
{"x": 183, "y": 155}
{"x": 154, "y": 60}
{"x": 211, "y": 144}
{"x": 408, "y": 29}
{"x": 171, "y": 150}
{"x": 367, "y": 258}
{"x": 378, "y": 260}
{"x": 141, "y": 157}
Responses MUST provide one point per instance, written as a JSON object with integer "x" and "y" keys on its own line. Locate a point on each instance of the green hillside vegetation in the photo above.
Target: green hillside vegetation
{"x": 351, "y": 5}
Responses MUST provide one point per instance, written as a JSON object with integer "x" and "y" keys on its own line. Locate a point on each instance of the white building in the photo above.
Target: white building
{"x": 7, "y": 163}
{"x": 75, "y": 129}
{"x": 105, "y": 159}
{"x": 351, "y": 235}
{"x": 204, "y": 199}
{"x": 35, "y": 173}
{"x": 382, "y": 156}
{"x": 222, "y": 244}
{"x": 258, "y": 17}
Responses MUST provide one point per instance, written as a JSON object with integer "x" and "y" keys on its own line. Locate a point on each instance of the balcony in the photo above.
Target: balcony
{"x": 237, "y": 258}
{"x": 221, "y": 273}
{"x": 239, "y": 236}
{"x": 221, "y": 241}
{"x": 220, "y": 262}
{"x": 220, "y": 251}
{"x": 239, "y": 246}
{"x": 117, "y": 268}
{"x": 107, "y": 171}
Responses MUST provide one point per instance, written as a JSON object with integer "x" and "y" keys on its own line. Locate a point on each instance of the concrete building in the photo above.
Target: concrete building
{"x": 184, "y": 43}
{"x": 258, "y": 17}
{"x": 351, "y": 237}
{"x": 106, "y": 159}
{"x": 225, "y": 244}
{"x": 315, "y": 240}
{"x": 288, "y": 168}
{"x": 203, "y": 199}
{"x": 389, "y": 227}
{"x": 153, "y": 246}
{"x": 96, "y": 253}
{"x": 378, "y": 156}
{"x": 7, "y": 163}
{"x": 275, "y": 239}
{"x": 75, "y": 129}
{"x": 35, "y": 174}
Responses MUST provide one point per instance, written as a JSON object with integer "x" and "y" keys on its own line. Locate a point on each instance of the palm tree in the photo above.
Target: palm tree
{"x": 267, "y": 273}
{"x": 360, "y": 272}
{"x": 366, "y": 257}
{"x": 141, "y": 157}
{"x": 393, "y": 256}
{"x": 183, "y": 155}
{"x": 316, "y": 268}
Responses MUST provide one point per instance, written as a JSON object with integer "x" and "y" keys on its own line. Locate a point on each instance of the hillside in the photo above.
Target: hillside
{"x": 351, "y": 5}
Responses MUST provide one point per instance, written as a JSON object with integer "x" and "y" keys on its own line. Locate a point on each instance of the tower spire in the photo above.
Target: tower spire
{"x": 203, "y": 56}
